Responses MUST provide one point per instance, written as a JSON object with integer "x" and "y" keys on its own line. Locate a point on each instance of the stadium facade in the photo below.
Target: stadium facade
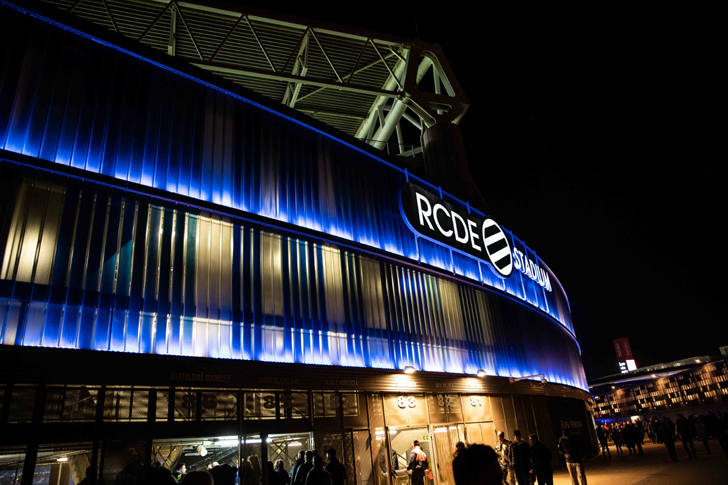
{"x": 192, "y": 272}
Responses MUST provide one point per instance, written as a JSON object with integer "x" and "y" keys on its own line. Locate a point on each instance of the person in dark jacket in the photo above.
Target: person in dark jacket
{"x": 302, "y": 471}
{"x": 179, "y": 471}
{"x": 520, "y": 458}
{"x": 477, "y": 465}
{"x": 541, "y": 461}
{"x": 629, "y": 437}
{"x": 573, "y": 451}
{"x": 603, "y": 440}
{"x": 280, "y": 470}
{"x": 418, "y": 463}
{"x": 257, "y": 474}
{"x": 665, "y": 436}
{"x": 685, "y": 431}
{"x": 335, "y": 468}
{"x": 300, "y": 460}
{"x": 317, "y": 475}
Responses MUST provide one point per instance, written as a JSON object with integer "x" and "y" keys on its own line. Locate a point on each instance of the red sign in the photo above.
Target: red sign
{"x": 623, "y": 350}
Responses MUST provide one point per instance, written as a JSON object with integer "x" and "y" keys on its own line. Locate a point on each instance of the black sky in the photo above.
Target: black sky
{"x": 590, "y": 135}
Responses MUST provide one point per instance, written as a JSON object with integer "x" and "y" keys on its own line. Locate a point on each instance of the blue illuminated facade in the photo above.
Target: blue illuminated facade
{"x": 148, "y": 211}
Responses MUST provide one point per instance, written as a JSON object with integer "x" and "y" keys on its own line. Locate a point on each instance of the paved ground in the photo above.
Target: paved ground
{"x": 655, "y": 467}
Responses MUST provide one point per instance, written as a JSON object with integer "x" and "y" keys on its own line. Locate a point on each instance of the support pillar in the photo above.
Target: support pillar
{"x": 31, "y": 452}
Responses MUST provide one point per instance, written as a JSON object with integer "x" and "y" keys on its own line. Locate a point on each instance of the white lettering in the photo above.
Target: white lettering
{"x": 464, "y": 239}
{"x": 437, "y": 221}
{"x": 473, "y": 236}
{"x": 424, "y": 214}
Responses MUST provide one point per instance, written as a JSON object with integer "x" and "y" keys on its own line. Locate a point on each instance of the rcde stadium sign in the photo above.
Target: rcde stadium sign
{"x": 437, "y": 219}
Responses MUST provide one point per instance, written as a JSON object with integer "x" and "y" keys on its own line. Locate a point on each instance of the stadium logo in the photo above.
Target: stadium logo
{"x": 439, "y": 220}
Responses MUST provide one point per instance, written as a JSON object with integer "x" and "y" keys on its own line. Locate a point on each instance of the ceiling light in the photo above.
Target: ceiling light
{"x": 481, "y": 373}
{"x": 201, "y": 450}
{"x": 409, "y": 370}
{"x": 62, "y": 459}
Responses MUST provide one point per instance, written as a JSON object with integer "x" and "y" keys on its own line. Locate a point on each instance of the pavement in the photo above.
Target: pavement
{"x": 655, "y": 467}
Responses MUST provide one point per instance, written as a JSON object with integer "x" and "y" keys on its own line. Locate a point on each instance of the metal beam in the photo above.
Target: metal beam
{"x": 313, "y": 112}
{"x": 235, "y": 26}
{"x": 361, "y": 69}
{"x": 304, "y": 70}
{"x": 301, "y": 64}
{"x": 172, "y": 46}
{"x": 366, "y": 129}
{"x": 260, "y": 44}
{"x": 111, "y": 17}
{"x": 280, "y": 76}
{"x": 323, "y": 51}
{"x": 189, "y": 32}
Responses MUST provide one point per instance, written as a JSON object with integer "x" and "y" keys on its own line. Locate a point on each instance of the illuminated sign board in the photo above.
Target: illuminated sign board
{"x": 624, "y": 355}
{"x": 439, "y": 220}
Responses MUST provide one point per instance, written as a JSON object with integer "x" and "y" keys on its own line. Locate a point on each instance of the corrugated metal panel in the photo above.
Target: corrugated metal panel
{"x": 91, "y": 267}
{"x": 71, "y": 101}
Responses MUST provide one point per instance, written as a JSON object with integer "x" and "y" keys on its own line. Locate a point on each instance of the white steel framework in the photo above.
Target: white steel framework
{"x": 361, "y": 83}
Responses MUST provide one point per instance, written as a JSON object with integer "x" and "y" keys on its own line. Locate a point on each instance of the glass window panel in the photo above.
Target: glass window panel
{"x": 294, "y": 404}
{"x": 22, "y": 401}
{"x": 185, "y": 404}
{"x": 259, "y": 405}
{"x": 219, "y": 405}
{"x": 162, "y": 405}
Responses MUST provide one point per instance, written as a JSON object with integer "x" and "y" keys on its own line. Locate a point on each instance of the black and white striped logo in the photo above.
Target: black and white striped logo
{"x": 442, "y": 221}
{"x": 497, "y": 247}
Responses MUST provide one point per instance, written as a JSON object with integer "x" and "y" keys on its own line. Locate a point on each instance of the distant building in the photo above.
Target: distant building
{"x": 692, "y": 385}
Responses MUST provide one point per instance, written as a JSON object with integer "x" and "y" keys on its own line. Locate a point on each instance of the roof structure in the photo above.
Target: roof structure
{"x": 365, "y": 84}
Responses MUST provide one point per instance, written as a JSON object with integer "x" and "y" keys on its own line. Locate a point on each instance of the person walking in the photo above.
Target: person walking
{"x": 617, "y": 440}
{"x": 665, "y": 436}
{"x": 639, "y": 435}
{"x": 335, "y": 468}
{"x": 629, "y": 438}
{"x": 520, "y": 458}
{"x": 701, "y": 432}
{"x": 603, "y": 440}
{"x": 573, "y": 450}
{"x": 541, "y": 461}
{"x": 685, "y": 431}
{"x": 317, "y": 475}
{"x": 418, "y": 464}
{"x": 503, "y": 449}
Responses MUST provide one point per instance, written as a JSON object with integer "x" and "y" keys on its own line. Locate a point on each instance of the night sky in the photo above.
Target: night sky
{"x": 589, "y": 136}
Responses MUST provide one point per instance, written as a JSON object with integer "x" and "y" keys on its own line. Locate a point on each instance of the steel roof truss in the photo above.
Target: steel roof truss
{"x": 154, "y": 22}
{"x": 235, "y": 26}
{"x": 361, "y": 69}
{"x": 396, "y": 80}
{"x": 302, "y": 64}
{"x": 260, "y": 44}
{"x": 356, "y": 64}
{"x": 111, "y": 17}
{"x": 328, "y": 59}
{"x": 281, "y": 76}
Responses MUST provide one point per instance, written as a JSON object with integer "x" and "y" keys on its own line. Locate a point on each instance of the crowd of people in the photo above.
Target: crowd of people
{"x": 525, "y": 462}
{"x": 309, "y": 469}
{"x": 662, "y": 430}
{"x": 516, "y": 462}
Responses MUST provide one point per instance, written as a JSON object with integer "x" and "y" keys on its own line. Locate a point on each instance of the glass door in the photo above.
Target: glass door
{"x": 401, "y": 442}
{"x": 444, "y": 439}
